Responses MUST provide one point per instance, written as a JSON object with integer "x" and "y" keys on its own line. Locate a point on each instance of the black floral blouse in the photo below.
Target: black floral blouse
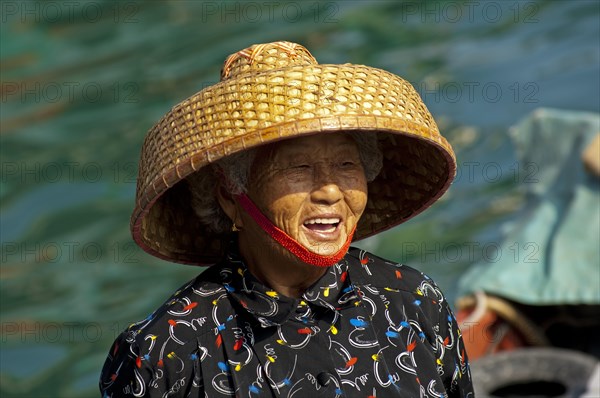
{"x": 367, "y": 328}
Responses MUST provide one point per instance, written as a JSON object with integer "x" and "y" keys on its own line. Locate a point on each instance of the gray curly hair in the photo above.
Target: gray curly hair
{"x": 235, "y": 170}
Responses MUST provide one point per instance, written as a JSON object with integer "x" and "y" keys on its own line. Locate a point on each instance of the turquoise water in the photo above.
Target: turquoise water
{"x": 83, "y": 81}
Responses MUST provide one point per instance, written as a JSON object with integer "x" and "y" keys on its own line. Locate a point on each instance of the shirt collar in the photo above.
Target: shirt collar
{"x": 332, "y": 292}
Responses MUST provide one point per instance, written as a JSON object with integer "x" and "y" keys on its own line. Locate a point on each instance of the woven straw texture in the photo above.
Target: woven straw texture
{"x": 275, "y": 91}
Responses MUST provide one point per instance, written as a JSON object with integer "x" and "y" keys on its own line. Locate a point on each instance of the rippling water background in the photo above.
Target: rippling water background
{"x": 83, "y": 81}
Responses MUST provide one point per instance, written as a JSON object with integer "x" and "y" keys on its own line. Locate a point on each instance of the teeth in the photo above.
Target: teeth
{"x": 323, "y": 221}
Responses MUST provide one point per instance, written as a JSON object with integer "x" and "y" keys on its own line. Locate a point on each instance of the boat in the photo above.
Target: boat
{"x": 531, "y": 319}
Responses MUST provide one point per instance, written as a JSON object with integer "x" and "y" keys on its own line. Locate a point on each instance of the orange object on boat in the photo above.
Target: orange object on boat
{"x": 490, "y": 324}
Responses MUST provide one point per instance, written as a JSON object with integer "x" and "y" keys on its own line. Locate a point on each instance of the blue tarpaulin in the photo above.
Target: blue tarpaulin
{"x": 551, "y": 247}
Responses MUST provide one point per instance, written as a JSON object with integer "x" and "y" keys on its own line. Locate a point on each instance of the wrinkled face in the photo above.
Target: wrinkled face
{"x": 313, "y": 188}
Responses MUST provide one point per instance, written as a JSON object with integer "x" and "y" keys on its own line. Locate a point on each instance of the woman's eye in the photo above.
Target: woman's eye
{"x": 301, "y": 166}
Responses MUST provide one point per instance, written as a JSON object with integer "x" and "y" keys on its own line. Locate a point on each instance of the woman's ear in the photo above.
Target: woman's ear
{"x": 229, "y": 205}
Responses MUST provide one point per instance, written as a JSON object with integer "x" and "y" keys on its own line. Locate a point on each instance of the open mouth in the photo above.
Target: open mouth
{"x": 322, "y": 225}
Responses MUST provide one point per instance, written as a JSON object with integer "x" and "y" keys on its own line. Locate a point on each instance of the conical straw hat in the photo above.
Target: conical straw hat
{"x": 269, "y": 92}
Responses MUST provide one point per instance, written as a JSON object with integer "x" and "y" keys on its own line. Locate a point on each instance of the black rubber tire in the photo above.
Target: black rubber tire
{"x": 533, "y": 372}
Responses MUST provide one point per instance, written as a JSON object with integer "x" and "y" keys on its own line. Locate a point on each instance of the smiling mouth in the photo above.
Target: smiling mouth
{"x": 322, "y": 225}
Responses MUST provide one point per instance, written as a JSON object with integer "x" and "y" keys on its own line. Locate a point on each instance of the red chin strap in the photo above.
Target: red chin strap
{"x": 287, "y": 241}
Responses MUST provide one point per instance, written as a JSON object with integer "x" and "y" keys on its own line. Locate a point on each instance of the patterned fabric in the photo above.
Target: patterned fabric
{"x": 367, "y": 328}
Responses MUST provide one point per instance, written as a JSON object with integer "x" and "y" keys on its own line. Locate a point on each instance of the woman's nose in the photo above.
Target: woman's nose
{"x": 325, "y": 189}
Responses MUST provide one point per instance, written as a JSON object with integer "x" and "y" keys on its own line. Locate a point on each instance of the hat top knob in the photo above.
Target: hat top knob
{"x": 260, "y": 57}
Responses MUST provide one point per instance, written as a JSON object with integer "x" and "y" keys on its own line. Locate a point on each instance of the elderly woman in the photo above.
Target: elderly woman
{"x": 267, "y": 177}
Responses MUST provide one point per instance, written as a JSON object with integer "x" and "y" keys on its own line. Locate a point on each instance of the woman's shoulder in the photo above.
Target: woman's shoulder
{"x": 188, "y": 310}
{"x": 369, "y": 269}
{"x": 155, "y": 343}
{"x": 409, "y": 292}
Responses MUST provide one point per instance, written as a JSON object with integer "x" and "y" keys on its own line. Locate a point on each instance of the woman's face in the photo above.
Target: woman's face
{"x": 313, "y": 188}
